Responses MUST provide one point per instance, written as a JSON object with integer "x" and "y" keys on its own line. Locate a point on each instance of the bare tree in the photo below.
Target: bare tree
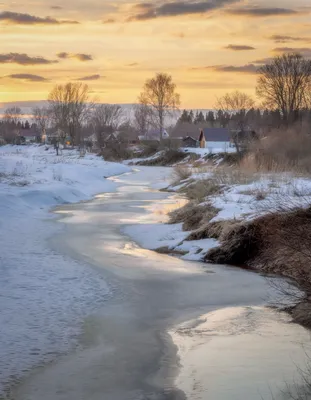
{"x": 106, "y": 118}
{"x": 70, "y": 107}
{"x": 12, "y": 115}
{"x": 284, "y": 84}
{"x": 143, "y": 118}
{"x": 236, "y": 105}
{"x": 41, "y": 117}
{"x": 160, "y": 94}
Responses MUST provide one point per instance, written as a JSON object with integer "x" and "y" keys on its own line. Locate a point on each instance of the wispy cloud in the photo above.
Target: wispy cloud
{"x": 261, "y": 11}
{"x": 27, "y": 19}
{"x": 236, "y": 47}
{"x": 24, "y": 59}
{"x": 79, "y": 56}
{"x": 304, "y": 51}
{"x": 285, "y": 38}
{"x": 245, "y": 69}
{"x": 89, "y": 78}
{"x": 27, "y": 77}
{"x": 145, "y": 11}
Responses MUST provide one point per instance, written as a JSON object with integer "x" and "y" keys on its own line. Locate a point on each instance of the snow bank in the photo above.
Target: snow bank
{"x": 44, "y": 295}
{"x": 32, "y": 177}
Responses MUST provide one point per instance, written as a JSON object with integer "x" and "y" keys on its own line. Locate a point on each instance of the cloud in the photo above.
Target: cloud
{"x": 79, "y": 56}
{"x": 245, "y": 69}
{"x": 236, "y": 47}
{"x": 285, "y": 38}
{"x": 132, "y": 64}
{"x": 261, "y": 12}
{"x": 304, "y": 51}
{"x": 27, "y": 77}
{"x": 89, "y": 78}
{"x": 145, "y": 11}
{"x": 27, "y": 19}
{"x": 24, "y": 59}
{"x": 56, "y": 7}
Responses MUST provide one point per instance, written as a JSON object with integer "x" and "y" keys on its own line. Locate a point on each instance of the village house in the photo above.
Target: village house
{"x": 216, "y": 139}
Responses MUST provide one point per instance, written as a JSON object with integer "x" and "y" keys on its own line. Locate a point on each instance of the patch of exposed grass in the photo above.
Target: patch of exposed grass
{"x": 199, "y": 190}
{"x": 181, "y": 173}
{"x": 168, "y": 157}
{"x": 233, "y": 176}
{"x": 193, "y": 215}
{"x": 211, "y": 230}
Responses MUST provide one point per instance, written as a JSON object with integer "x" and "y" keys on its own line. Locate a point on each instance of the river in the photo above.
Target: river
{"x": 171, "y": 329}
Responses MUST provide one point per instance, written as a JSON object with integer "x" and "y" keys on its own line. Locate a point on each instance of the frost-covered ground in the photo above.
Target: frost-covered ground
{"x": 43, "y": 295}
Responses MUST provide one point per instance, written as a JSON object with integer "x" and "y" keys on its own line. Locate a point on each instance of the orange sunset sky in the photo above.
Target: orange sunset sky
{"x": 210, "y": 47}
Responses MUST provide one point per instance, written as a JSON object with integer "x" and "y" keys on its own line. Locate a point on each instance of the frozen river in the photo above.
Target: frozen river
{"x": 141, "y": 325}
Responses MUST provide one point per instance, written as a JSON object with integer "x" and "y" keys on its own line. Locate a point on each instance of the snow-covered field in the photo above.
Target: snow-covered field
{"x": 44, "y": 295}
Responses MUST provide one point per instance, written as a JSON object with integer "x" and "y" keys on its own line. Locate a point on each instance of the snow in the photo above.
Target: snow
{"x": 44, "y": 295}
{"x": 262, "y": 194}
{"x": 212, "y": 148}
{"x": 154, "y": 236}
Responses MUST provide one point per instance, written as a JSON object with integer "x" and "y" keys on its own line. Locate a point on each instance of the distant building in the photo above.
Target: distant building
{"x": 29, "y": 135}
{"x": 185, "y": 129}
{"x": 219, "y": 139}
{"x": 189, "y": 141}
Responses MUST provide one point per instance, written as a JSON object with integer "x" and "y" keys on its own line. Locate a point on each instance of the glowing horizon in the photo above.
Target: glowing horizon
{"x": 209, "y": 47}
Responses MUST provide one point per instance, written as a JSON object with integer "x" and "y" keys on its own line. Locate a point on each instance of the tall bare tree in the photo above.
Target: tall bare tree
{"x": 106, "y": 118}
{"x": 41, "y": 117}
{"x": 284, "y": 84}
{"x": 70, "y": 107}
{"x": 236, "y": 105}
{"x": 143, "y": 118}
{"x": 160, "y": 94}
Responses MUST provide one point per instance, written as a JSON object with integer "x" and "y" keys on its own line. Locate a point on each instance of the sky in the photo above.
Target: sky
{"x": 210, "y": 47}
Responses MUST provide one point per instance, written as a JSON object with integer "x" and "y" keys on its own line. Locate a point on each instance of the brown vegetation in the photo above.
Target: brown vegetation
{"x": 165, "y": 158}
{"x": 282, "y": 151}
{"x": 181, "y": 172}
{"x": 193, "y": 215}
{"x": 211, "y": 230}
{"x": 277, "y": 243}
{"x": 200, "y": 189}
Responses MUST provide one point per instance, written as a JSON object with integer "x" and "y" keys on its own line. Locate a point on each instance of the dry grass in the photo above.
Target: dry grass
{"x": 281, "y": 151}
{"x": 233, "y": 176}
{"x": 166, "y": 158}
{"x": 199, "y": 190}
{"x": 181, "y": 173}
{"x": 211, "y": 230}
{"x": 278, "y": 242}
{"x": 259, "y": 193}
{"x": 193, "y": 215}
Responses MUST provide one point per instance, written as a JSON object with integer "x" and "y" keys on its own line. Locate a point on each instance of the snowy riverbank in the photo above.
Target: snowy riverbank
{"x": 44, "y": 295}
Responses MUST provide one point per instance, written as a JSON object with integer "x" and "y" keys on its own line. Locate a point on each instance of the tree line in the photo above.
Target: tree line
{"x": 283, "y": 87}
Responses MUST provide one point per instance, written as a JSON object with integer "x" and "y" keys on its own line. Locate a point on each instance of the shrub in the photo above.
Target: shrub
{"x": 181, "y": 173}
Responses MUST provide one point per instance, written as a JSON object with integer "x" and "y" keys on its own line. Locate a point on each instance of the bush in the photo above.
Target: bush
{"x": 181, "y": 173}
